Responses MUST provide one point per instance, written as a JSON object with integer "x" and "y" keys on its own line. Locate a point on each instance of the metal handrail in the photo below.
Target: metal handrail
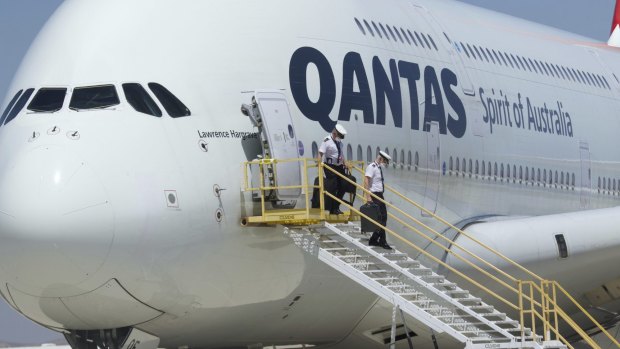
{"x": 546, "y": 300}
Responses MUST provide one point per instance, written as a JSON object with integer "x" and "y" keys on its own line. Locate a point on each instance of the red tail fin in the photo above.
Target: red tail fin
{"x": 616, "y": 19}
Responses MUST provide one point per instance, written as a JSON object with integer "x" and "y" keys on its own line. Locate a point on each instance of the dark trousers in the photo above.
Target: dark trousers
{"x": 379, "y": 235}
{"x": 334, "y": 186}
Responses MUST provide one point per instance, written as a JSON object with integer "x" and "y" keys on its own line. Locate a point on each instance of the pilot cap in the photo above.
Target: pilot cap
{"x": 385, "y": 156}
{"x": 340, "y": 129}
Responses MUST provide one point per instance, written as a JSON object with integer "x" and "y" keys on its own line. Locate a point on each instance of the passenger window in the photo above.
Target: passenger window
{"x": 377, "y": 152}
{"x": 360, "y": 153}
{"x": 520, "y": 173}
{"x": 417, "y": 161}
{"x": 359, "y": 25}
{"x": 484, "y": 54}
{"x": 538, "y": 176}
{"x": 458, "y": 166}
{"x": 471, "y": 167}
{"x": 315, "y": 150}
{"x": 430, "y": 38}
{"x": 464, "y": 167}
{"x": 527, "y": 174}
{"x": 419, "y": 39}
{"x": 501, "y": 171}
{"x": 409, "y": 160}
{"x": 140, "y": 100}
{"x": 8, "y": 107}
{"x": 489, "y": 169}
{"x": 573, "y": 181}
{"x": 402, "y": 159}
{"x": 405, "y": 36}
{"x": 508, "y": 172}
{"x": 425, "y": 40}
{"x": 465, "y": 50}
{"x": 394, "y": 158}
{"x": 48, "y": 100}
{"x": 391, "y": 33}
{"x": 412, "y": 37}
{"x": 171, "y": 103}
{"x": 490, "y": 55}
{"x": 533, "y": 65}
{"x": 477, "y": 168}
{"x": 349, "y": 152}
{"x": 21, "y": 102}
{"x": 384, "y": 32}
{"x": 377, "y": 29}
{"x": 369, "y": 28}
{"x": 397, "y": 34}
{"x": 369, "y": 155}
{"x": 94, "y": 97}
{"x": 495, "y": 170}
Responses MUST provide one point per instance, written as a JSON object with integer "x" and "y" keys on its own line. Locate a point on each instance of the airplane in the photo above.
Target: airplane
{"x": 122, "y": 146}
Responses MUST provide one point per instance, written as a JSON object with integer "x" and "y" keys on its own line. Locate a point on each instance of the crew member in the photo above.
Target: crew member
{"x": 332, "y": 155}
{"x": 373, "y": 181}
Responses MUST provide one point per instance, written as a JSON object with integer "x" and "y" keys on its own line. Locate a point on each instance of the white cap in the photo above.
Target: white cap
{"x": 341, "y": 129}
{"x": 385, "y": 156}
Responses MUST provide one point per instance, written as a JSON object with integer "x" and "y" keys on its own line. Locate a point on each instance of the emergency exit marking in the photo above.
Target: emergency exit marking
{"x": 172, "y": 199}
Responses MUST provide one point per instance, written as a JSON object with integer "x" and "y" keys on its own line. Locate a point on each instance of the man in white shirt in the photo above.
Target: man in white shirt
{"x": 373, "y": 181}
{"x": 331, "y": 153}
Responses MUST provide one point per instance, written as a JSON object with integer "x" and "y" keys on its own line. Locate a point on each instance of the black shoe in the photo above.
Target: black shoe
{"x": 386, "y": 246}
{"x": 373, "y": 243}
{"x": 336, "y": 212}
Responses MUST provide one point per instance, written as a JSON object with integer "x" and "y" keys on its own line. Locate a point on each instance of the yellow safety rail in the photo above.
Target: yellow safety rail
{"x": 534, "y": 298}
{"x": 301, "y": 216}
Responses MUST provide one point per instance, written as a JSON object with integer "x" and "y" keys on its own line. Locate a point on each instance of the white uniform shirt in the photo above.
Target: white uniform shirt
{"x": 376, "y": 178}
{"x": 330, "y": 152}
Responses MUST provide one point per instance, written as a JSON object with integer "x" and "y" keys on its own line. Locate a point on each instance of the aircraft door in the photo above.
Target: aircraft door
{"x": 271, "y": 114}
{"x": 586, "y": 174}
{"x": 452, "y": 48}
{"x": 433, "y": 170}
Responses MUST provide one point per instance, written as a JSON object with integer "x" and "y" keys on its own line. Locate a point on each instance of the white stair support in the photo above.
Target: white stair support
{"x": 414, "y": 289}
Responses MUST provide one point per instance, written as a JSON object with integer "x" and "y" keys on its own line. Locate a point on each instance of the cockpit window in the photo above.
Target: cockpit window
{"x": 48, "y": 100}
{"x": 140, "y": 100}
{"x": 8, "y": 107}
{"x": 171, "y": 103}
{"x": 94, "y": 97}
{"x": 19, "y": 105}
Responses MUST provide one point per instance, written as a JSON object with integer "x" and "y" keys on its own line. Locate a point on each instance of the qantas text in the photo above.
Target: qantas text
{"x": 437, "y": 86}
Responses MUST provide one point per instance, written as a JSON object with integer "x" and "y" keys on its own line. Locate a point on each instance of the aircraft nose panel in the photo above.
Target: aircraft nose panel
{"x": 56, "y": 222}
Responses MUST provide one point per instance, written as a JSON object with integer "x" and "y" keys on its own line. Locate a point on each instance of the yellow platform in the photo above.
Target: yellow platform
{"x": 300, "y": 217}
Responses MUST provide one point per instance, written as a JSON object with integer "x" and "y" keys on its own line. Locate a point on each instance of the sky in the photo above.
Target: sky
{"x": 21, "y": 20}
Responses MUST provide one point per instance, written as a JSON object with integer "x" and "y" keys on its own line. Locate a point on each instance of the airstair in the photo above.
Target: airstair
{"x": 412, "y": 285}
{"x": 281, "y": 190}
{"x": 417, "y": 290}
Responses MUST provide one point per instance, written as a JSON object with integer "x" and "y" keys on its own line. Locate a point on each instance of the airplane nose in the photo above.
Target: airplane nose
{"x": 56, "y": 222}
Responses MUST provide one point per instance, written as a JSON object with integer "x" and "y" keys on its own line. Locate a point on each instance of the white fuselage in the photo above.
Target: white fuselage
{"x": 80, "y": 213}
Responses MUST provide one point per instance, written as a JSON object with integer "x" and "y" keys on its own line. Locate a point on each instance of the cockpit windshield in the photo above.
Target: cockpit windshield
{"x": 48, "y": 100}
{"x": 94, "y": 97}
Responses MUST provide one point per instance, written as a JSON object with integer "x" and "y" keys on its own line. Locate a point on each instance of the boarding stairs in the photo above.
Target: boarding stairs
{"x": 417, "y": 290}
{"x": 411, "y": 284}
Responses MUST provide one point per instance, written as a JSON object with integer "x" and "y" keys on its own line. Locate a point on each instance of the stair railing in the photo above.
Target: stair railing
{"x": 540, "y": 310}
